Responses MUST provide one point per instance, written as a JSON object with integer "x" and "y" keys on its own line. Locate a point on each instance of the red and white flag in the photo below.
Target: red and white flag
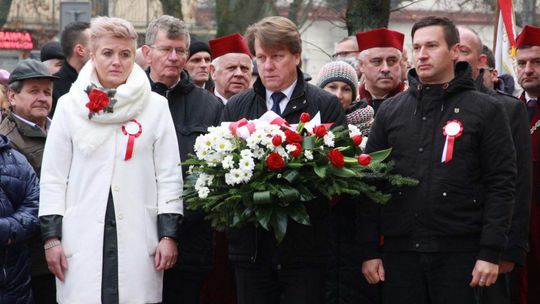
{"x": 505, "y": 43}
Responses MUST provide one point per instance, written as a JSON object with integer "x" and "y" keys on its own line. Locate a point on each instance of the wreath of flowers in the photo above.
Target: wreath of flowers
{"x": 265, "y": 173}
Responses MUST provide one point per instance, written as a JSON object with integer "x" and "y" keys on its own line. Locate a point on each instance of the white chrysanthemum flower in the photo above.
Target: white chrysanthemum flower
{"x": 281, "y": 151}
{"x": 234, "y": 177}
{"x": 246, "y": 164}
{"x": 308, "y": 154}
{"x": 209, "y": 179}
{"x": 246, "y": 153}
{"x": 222, "y": 145}
{"x": 290, "y": 148}
{"x": 228, "y": 162}
{"x": 329, "y": 139}
{"x": 203, "y": 153}
{"x": 354, "y": 130}
{"x": 190, "y": 169}
{"x": 258, "y": 153}
{"x": 246, "y": 176}
{"x": 203, "y": 192}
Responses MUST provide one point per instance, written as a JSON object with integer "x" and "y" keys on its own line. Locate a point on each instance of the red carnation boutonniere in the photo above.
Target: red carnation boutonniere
{"x": 99, "y": 100}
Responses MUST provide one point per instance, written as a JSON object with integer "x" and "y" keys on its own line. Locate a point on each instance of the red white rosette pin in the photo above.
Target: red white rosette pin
{"x": 452, "y": 130}
{"x": 132, "y": 129}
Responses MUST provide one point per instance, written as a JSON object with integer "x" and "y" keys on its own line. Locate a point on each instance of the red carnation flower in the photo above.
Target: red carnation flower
{"x": 277, "y": 140}
{"x": 357, "y": 140}
{"x": 320, "y": 131}
{"x": 364, "y": 159}
{"x": 292, "y": 137}
{"x": 304, "y": 117}
{"x": 275, "y": 162}
{"x": 99, "y": 100}
{"x": 336, "y": 158}
{"x": 298, "y": 150}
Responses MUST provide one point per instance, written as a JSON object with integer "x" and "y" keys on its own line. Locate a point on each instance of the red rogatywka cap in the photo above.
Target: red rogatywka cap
{"x": 381, "y": 37}
{"x": 234, "y": 43}
{"x": 530, "y": 35}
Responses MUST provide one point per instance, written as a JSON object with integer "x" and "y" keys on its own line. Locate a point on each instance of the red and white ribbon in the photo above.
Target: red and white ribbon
{"x": 242, "y": 128}
{"x": 132, "y": 129}
{"x": 452, "y": 130}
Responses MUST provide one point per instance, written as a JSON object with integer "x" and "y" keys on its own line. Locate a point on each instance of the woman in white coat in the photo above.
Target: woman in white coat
{"x": 110, "y": 185}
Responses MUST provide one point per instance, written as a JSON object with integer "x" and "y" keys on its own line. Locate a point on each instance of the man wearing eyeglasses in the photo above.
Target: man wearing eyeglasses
{"x": 347, "y": 50}
{"x": 193, "y": 110}
{"x": 380, "y": 63}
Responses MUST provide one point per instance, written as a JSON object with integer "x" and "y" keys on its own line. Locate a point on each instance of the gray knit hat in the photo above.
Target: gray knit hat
{"x": 338, "y": 71}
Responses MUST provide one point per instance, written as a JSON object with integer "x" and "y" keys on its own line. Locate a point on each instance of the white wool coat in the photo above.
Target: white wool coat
{"x": 83, "y": 160}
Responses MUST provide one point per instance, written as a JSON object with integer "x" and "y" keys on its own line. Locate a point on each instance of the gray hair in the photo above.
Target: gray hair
{"x": 16, "y": 86}
{"x": 363, "y": 54}
{"x": 173, "y": 27}
{"x": 216, "y": 63}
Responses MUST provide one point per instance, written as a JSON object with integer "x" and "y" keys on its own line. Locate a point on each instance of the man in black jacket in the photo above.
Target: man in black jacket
{"x": 516, "y": 249}
{"x": 293, "y": 271}
{"x": 457, "y": 143}
{"x": 193, "y": 110}
{"x": 74, "y": 42}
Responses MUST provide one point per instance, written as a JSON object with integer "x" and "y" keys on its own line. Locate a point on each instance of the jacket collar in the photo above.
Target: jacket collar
{"x": 68, "y": 70}
{"x": 366, "y": 95}
{"x": 184, "y": 85}
{"x": 462, "y": 80}
{"x": 298, "y": 91}
{"x": 26, "y": 129}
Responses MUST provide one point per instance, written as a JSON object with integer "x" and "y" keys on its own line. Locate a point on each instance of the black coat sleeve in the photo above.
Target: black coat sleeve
{"x": 369, "y": 213}
{"x": 518, "y": 234}
{"x": 498, "y": 167}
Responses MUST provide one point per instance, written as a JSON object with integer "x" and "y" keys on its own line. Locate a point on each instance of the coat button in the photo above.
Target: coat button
{"x": 420, "y": 149}
{"x": 444, "y": 194}
{"x": 278, "y": 266}
{"x": 424, "y": 118}
{"x": 120, "y": 216}
{"x": 417, "y": 245}
{"x": 116, "y": 188}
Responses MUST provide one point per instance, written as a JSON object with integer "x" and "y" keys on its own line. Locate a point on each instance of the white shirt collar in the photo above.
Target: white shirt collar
{"x": 32, "y": 124}
{"x": 223, "y": 99}
{"x": 529, "y": 97}
{"x": 283, "y": 103}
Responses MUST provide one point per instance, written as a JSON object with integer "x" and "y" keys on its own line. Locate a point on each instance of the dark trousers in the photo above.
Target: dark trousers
{"x": 428, "y": 278}
{"x": 44, "y": 289}
{"x": 504, "y": 291}
{"x": 274, "y": 284}
{"x": 181, "y": 286}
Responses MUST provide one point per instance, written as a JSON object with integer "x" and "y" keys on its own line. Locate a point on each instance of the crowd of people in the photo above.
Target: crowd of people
{"x": 91, "y": 138}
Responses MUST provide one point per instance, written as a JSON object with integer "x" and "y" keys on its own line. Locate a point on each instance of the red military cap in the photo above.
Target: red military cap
{"x": 234, "y": 43}
{"x": 530, "y": 35}
{"x": 381, "y": 37}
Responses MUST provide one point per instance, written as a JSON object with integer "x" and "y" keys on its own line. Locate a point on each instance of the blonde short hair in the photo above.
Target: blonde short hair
{"x": 112, "y": 27}
{"x": 274, "y": 32}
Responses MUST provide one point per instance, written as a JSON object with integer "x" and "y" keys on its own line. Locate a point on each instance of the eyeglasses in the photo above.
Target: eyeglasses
{"x": 169, "y": 49}
{"x": 344, "y": 54}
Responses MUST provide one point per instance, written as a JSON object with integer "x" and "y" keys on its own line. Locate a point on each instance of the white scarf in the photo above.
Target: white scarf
{"x": 131, "y": 98}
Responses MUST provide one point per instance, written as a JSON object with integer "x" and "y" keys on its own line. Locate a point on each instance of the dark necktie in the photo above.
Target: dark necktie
{"x": 532, "y": 103}
{"x": 276, "y": 98}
